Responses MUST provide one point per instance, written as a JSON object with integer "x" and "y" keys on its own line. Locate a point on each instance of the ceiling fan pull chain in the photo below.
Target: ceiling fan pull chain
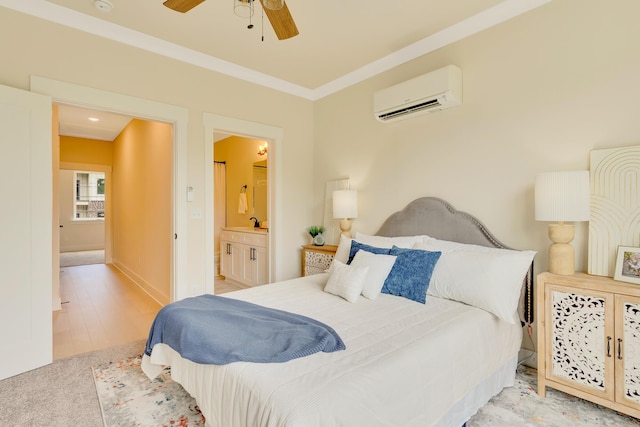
{"x": 262, "y": 24}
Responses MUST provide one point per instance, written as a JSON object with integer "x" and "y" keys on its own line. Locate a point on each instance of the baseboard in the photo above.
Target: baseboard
{"x": 141, "y": 283}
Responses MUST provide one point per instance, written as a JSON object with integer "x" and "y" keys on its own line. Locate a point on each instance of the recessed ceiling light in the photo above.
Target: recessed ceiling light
{"x": 103, "y": 5}
{"x": 94, "y": 119}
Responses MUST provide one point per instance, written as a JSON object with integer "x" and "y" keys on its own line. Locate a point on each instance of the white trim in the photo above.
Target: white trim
{"x": 275, "y": 137}
{"x": 68, "y": 93}
{"x": 55, "y": 13}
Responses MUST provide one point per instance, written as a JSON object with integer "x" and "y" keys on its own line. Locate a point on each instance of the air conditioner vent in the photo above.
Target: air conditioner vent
{"x": 434, "y": 91}
{"x": 412, "y": 109}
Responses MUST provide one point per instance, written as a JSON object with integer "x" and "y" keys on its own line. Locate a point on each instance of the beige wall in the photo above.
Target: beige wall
{"x": 56, "y": 52}
{"x": 142, "y": 205}
{"x": 540, "y": 92}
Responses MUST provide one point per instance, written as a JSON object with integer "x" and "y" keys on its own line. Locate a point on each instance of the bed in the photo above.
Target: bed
{"x": 406, "y": 363}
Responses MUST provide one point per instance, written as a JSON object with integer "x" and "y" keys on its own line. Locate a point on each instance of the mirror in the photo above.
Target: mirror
{"x": 260, "y": 190}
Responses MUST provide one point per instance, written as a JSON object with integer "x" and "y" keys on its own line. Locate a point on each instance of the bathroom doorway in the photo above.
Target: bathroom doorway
{"x": 273, "y": 137}
{"x": 240, "y": 182}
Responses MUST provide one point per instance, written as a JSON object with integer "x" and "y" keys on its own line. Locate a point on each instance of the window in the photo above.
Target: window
{"x": 89, "y": 195}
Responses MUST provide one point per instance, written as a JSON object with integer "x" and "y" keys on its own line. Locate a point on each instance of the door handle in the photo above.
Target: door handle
{"x": 620, "y": 348}
{"x": 61, "y": 226}
{"x": 608, "y": 346}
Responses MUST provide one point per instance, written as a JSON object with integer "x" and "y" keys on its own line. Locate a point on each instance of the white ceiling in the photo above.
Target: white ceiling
{"x": 75, "y": 121}
{"x": 340, "y": 42}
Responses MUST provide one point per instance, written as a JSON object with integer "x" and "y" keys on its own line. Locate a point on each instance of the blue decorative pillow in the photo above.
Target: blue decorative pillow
{"x": 356, "y": 246}
{"x": 411, "y": 273}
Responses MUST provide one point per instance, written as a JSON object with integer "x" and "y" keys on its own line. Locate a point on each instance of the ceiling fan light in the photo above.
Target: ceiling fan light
{"x": 243, "y": 8}
{"x": 273, "y": 4}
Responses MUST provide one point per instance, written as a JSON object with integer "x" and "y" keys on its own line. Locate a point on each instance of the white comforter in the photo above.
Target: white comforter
{"x": 406, "y": 364}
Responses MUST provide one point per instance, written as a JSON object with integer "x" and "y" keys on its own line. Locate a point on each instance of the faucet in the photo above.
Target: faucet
{"x": 256, "y": 223}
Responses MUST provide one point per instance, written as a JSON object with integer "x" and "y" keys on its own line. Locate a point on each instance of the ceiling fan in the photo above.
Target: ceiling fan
{"x": 280, "y": 19}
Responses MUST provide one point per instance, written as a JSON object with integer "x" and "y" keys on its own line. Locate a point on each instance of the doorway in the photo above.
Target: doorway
{"x": 216, "y": 124}
{"x": 71, "y": 94}
{"x": 82, "y": 194}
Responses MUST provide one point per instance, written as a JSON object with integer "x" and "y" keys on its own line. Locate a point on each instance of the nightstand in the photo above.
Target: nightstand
{"x": 589, "y": 339}
{"x": 317, "y": 259}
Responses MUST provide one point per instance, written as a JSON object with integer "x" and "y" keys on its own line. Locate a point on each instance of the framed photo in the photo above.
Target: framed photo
{"x": 628, "y": 265}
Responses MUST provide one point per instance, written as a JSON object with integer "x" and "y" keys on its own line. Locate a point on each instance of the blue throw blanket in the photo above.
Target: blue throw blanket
{"x": 215, "y": 330}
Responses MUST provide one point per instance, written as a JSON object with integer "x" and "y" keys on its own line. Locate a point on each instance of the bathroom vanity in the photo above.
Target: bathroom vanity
{"x": 244, "y": 255}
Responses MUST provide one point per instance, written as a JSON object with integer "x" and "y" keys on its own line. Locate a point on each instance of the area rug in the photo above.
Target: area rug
{"x": 128, "y": 397}
{"x": 521, "y": 406}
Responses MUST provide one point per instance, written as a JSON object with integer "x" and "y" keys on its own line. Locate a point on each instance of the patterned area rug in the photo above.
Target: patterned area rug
{"x": 520, "y": 405}
{"x": 128, "y": 398}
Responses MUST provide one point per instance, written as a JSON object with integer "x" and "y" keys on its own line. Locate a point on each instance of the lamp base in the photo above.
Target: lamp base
{"x": 345, "y": 227}
{"x": 561, "y": 253}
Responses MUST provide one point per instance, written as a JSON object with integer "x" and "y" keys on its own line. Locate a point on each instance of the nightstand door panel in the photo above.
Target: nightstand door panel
{"x": 317, "y": 262}
{"x": 580, "y": 346}
{"x": 627, "y": 352}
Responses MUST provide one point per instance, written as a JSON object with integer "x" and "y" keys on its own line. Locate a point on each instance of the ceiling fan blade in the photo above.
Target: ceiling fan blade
{"x": 182, "y": 5}
{"x": 281, "y": 21}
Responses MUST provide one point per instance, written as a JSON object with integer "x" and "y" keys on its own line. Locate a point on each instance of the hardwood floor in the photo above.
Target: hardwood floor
{"x": 102, "y": 308}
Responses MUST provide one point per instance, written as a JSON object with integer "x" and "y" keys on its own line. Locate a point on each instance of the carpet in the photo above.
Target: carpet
{"x": 128, "y": 398}
{"x": 60, "y": 394}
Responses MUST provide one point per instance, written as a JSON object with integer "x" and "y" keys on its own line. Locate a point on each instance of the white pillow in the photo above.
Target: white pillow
{"x": 344, "y": 247}
{"x": 388, "y": 242}
{"x": 487, "y": 278}
{"x": 346, "y": 281}
{"x": 379, "y": 266}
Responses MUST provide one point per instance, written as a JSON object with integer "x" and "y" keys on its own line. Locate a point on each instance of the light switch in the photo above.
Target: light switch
{"x": 189, "y": 194}
{"x": 196, "y": 213}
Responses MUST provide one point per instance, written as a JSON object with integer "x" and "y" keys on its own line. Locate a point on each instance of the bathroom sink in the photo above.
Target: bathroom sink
{"x": 259, "y": 230}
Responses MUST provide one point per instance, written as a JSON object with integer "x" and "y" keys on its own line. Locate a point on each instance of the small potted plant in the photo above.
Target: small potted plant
{"x": 315, "y": 231}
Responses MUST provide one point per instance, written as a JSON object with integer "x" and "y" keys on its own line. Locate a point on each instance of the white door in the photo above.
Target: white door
{"x": 26, "y": 242}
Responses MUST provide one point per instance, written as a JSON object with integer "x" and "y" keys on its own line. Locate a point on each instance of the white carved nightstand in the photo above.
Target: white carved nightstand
{"x": 589, "y": 339}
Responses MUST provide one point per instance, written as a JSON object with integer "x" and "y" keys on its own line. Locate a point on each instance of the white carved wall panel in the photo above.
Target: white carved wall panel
{"x": 615, "y": 206}
{"x": 577, "y": 336}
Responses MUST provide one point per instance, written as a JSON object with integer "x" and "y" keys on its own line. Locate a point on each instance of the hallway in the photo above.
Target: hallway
{"x": 101, "y": 308}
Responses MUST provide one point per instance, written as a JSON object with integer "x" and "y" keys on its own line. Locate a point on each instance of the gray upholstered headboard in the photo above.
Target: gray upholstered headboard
{"x": 437, "y": 218}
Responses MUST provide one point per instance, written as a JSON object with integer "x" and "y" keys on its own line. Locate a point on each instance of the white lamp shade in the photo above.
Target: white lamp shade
{"x": 562, "y": 196}
{"x": 345, "y": 204}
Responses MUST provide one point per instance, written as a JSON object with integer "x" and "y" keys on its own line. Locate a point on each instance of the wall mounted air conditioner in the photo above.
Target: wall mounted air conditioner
{"x": 431, "y": 92}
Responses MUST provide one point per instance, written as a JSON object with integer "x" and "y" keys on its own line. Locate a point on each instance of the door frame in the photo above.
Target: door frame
{"x": 275, "y": 137}
{"x": 68, "y": 93}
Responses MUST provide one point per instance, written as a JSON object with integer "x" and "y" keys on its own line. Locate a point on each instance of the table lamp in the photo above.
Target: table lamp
{"x": 345, "y": 207}
{"x": 560, "y": 197}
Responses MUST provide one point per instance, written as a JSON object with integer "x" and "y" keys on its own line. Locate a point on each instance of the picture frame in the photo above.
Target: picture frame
{"x": 628, "y": 264}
